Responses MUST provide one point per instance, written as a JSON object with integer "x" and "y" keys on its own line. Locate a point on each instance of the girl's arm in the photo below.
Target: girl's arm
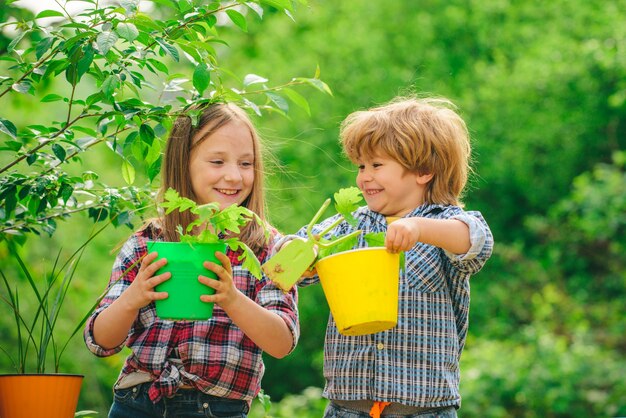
{"x": 452, "y": 235}
{"x": 112, "y": 325}
{"x": 265, "y": 328}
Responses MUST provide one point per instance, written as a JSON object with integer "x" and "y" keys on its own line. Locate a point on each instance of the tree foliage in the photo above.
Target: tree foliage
{"x": 111, "y": 74}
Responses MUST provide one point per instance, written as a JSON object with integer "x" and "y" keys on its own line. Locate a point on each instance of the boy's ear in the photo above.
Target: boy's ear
{"x": 423, "y": 179}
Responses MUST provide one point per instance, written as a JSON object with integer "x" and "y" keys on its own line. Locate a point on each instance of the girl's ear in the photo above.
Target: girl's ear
{"x": 423, "y": 179}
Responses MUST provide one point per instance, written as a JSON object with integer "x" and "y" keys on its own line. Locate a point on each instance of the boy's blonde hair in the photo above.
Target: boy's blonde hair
{"x": 425, "y": 136}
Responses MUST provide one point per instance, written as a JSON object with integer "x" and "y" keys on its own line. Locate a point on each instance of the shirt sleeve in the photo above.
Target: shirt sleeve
{"x": 285, "y": 305}
{"x": 481, "y": 243}
{"x": 123, "y": 273}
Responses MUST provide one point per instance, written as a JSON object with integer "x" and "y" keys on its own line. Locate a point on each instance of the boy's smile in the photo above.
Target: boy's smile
{"x": 388, "y": 187}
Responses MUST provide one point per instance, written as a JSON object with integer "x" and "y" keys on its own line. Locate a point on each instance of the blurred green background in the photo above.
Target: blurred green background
{"x": 542, "y": 87}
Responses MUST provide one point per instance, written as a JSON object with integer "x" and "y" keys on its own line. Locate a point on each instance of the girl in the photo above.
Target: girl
{"x": 207, "y": 368}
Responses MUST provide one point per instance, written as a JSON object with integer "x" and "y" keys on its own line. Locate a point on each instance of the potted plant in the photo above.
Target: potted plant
{"x": 37, "y": 350}
{"x": 212, "y": 230}
{"x": 360, "y": 285}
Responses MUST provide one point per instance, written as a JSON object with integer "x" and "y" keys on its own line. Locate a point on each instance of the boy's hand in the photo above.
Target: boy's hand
{"x": 402, "y": 235}
{"x": 141, "y": 291}
{"x": 226, "y": 293}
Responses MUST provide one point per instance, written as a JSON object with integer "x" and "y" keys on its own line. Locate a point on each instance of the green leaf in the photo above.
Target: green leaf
{"x": 128, "y": 172}
{"x": 297, "y": 99}
{"x": 51, "y": 98}
{"x": 59, "y": 151}
{"x": 317, "y": 83}
{"x": 49, "y": 13}
{"x": 347, "y": 201}
{"x": 201, "y": 78}
{"x": 110, "y": 84}
{"x": 43, "y": 46}
{"x": 253, "y": 79}
{"x": 146, "y": 133}
{"x": 256, "y": 8}
{"x": 279, "y": 4}
{"x": 169, "y": 49}
{"x": 106, "y": 40}
{"x": 16, "y": 41}
{"x": 279, "y": 101}
{"x": 22, "y": 87}
{"x": 8, "y": 128}
{"x": 127, "y": 31}
{"x": 130, "y": 6}
{"x": 238, "y": 19}
{"x": 85, "y": 62}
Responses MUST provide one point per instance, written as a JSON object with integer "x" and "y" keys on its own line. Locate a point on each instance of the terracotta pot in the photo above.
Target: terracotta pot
{"x": 39, "y": 395}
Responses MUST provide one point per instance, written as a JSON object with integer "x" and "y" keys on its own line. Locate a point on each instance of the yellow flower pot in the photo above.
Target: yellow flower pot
{"x": 361, "y": 287}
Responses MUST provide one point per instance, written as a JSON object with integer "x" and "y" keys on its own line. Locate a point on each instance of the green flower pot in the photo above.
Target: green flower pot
{"x": 185, "y": 261}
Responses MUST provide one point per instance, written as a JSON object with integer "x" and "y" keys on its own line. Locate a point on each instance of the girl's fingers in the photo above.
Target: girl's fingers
{"x": 159, "y": 295}
{"x": 207, "y": 281}
{"x": 147, "y": 260}
{"x": 225, "y": 262}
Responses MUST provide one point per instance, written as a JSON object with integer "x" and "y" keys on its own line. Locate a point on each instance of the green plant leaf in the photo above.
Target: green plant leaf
{"x": 106, "y": 40}
{"x": 238, "y": 19}
{"x": 250, "y": 79}
{"x": 128, "y": 172}
{"x": 297, "y": 99}
{"x": 110, "y": 84}
{"x": 8, "y": 127}
{"x": 279, "y": 4}
{"x": 169, "y": 49}
{"x": 127, "y": 31}
{"x": 59, "y": 151}
{"x": 51, "y": 98}
{"x": 201, "y": 78}
{"x": 347, "y": 201}
{"x": 49, "y": 13}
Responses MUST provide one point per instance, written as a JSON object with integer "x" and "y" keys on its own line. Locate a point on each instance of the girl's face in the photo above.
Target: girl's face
{"x": 389, "y": 188}
{"x": 222, "y": 166}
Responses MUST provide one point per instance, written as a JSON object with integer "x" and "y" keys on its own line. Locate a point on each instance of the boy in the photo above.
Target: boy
{"x": 413, "y": 163}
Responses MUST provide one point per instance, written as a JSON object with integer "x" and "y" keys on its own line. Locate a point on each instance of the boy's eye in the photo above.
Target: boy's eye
{"x": 361, "y": 166}
{"x": 216, "y": 162}
{"x": 375, "y": 165}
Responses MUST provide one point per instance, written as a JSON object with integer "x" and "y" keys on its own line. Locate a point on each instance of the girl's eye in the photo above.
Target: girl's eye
{"x": 361, "y": 166}
{"x": 376, "y": 165}
{"x": 247, "y": 164}
{"x": 216, "y": 162}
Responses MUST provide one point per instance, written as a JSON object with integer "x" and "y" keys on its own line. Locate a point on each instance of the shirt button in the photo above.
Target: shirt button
{"x": 205, "y": 405}
{"x": 380, "y": 346}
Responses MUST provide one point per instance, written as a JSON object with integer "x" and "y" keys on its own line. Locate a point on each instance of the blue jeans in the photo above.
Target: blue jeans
{"x": 135, "y": 403}
{"x": 336, "y": 411}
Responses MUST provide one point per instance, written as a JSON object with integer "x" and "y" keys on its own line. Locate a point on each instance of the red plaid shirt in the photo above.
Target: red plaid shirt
{"x": 214, "y": 355}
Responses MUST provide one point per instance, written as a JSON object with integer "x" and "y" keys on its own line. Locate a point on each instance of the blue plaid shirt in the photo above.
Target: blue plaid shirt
{"x": 415, "y": 363}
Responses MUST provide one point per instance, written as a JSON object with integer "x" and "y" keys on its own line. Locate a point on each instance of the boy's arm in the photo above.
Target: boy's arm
{"x": 451, "y": 235}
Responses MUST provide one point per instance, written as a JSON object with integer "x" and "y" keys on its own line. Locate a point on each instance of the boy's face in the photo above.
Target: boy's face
{"x": 389, "y": 188}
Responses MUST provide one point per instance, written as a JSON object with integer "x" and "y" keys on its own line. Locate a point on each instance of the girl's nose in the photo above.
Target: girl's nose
{"x": 232, "y": 173}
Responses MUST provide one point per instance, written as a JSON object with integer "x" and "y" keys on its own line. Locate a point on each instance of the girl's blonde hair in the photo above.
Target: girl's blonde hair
{"x": 425, "y": 136}
{"x": 183, "y": 138}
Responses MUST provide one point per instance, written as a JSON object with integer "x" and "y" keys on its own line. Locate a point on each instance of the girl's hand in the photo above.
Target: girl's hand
{"x": 402, "y": 235}
{"x": 226, "y": 294}
{"x": 141, "y": 292}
